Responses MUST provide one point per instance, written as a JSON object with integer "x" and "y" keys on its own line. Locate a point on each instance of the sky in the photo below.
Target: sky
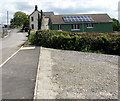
{"x": 119, "y": 11}
{"x": 59, "y": 7}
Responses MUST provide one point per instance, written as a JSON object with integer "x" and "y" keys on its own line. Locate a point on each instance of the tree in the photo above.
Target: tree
{"x": 116, "y": 25}
{"x": 26, "y": 24}
{"x": 19, "y": 19}
{"x": 40, "y": 16}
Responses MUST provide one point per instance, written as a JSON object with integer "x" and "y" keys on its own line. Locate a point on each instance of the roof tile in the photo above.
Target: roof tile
{"x": 57, "y": 19}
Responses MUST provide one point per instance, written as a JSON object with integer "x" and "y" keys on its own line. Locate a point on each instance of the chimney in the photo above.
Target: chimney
{"x": 36, "y": 8}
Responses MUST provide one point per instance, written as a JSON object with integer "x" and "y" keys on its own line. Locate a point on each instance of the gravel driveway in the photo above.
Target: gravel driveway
{"x": 76, "y": 75}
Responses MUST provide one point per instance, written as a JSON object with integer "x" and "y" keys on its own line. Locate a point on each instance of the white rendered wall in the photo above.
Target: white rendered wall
{"x": 35, "y": 21}
{"x": 45, "y": 23}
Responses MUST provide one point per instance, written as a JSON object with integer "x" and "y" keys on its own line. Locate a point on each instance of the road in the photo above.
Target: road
{"x": 10, "y": 44}
{"x": 19, "y": 72}
{"x": 19, "y": 75}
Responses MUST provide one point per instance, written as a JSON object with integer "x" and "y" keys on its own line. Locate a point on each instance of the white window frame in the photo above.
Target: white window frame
{"x": 75, "y": 27}
{"x": 59, "y": 28}
{"x": 90, "y": 25}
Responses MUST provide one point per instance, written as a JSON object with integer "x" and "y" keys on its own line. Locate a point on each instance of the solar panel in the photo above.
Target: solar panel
{"x": 77, "y": 18}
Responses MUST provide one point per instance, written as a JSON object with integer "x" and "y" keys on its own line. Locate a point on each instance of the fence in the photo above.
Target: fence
{"x": 4, "y": 32}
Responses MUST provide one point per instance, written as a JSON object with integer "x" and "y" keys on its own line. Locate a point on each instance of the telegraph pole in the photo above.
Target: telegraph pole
{"x": 7, "y": 19}
{"x": 7, "y": 22}
{"x": 119, "y": 11}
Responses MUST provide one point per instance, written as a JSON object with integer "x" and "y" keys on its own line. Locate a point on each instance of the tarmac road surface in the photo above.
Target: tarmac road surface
{"x": 19, "y": 74}
{"x": 11, "y": 44}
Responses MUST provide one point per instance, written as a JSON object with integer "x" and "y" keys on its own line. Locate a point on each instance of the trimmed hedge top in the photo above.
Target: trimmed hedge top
{"x": 88, "y": 42}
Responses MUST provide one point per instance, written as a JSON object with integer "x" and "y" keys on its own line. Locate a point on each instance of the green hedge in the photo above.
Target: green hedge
{"x": 89, "y": 42}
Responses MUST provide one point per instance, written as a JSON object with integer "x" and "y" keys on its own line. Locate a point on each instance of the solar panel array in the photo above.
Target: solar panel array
{"x": 77, "y": 19}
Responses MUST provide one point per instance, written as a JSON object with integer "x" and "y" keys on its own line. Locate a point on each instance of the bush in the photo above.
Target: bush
{"x": 90, "y": 42}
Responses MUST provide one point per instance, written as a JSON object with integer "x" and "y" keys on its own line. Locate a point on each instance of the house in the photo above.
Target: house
{"x": 81, "y": 23}
{"x": 33, "y": 18}
{"x": 73, "y": 23}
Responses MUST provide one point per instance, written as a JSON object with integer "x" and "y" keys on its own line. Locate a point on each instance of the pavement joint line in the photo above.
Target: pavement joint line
{"x": 37, "y": 77}
{"x": 10, "y": 57}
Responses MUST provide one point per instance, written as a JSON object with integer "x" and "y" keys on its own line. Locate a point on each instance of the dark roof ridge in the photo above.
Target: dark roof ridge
{"x": 34, "y": 11}
{"x": 80, "y": 14}
{"x": 48, "y": 12}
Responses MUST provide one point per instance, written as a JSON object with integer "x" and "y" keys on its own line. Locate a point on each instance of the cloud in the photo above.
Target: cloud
{"x": 59, "y": 7}
{"x": 119, "y": 11}
{"x": 119, "y": 6}
{"x": 79, "y": 6}
{"x": 77, "y": 10}
{"x": 23, "y": 6}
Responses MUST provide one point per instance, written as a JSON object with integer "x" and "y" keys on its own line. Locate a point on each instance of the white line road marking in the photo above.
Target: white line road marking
{"x": 10, "y": 57}
{"x": 25, "y": 48}
{"x": 5, "y": 36}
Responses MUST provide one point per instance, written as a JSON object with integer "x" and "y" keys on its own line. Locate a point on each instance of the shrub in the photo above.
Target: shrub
{"x": 102, "y": 43}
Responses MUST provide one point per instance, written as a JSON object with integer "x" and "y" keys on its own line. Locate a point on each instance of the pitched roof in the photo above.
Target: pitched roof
{"x": 57, "y": 19}
{"x": 48, "y": 14}
{"x": 33, "y": 12}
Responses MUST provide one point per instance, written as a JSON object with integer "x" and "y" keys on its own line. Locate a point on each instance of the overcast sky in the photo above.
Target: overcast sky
{"x": 59, "y": 7}
{"x": 119, "y": 11}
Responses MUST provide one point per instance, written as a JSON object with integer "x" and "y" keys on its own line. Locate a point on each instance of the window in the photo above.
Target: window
{"x": 89, "y": 25}
{"x": 32, "y": 19}
{"x": 32, "y": 26}
{"x": 59, "y": 27}
{"x": 75, "y": 27}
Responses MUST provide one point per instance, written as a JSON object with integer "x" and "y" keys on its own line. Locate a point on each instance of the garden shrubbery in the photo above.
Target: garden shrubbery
{"x": 88, "y": 42}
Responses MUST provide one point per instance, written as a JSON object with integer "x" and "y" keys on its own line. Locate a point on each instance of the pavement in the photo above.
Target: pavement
{"x": 44, "y": 73}
{"x": 76, "y": 75}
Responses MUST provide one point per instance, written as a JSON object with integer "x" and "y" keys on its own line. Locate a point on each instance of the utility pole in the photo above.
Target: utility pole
{"x": 7, "y": 22}
{"x": 119, "y": 11}
{"x": 7, "y": 19}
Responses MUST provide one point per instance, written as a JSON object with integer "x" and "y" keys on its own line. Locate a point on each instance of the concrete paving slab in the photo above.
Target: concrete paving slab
{"x": 76, "y": 75}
